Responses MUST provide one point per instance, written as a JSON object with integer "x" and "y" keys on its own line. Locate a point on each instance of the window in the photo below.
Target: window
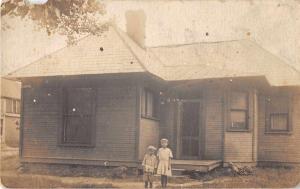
{"x": 12, "y": 106}
{"x": 238, "y": 111}
{"x": 149, "y": 104}
{"x": 278, "y": 117}
{"x": 78, "y": 116}
{"x": 9, "y": 105}
{"x": 17, "y": 110}
{"x": 2, "y": 105}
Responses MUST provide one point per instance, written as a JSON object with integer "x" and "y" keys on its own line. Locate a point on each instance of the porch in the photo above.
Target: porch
{"x": 203, "y": 166}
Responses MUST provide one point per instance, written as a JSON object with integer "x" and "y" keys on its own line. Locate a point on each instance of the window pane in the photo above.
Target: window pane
{"x": 239, "y": 100}
{"x": 2, "y": 105}
{"x": 278, "y": 104}
{"x": 78, "y": 130}
{"x": 79, "y": 101}
{"x": 238, "y": 119}
{"x": 150, "y": 104}
{"x": 9, "y": 105}
{"x": 18, "y": 106}
{"x": 14, "y": 106}
{"x": 279, "y": 122}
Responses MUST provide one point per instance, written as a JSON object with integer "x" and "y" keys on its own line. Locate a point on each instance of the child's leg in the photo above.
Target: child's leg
{"x": 162, "y": 180}
{"x": 151, "y": 184}
{"x": 166, "y": 181}
{"x": 146, "y": 184}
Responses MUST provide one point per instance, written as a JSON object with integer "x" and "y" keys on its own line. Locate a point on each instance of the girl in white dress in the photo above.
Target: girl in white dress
{"x": 164, "y": 166}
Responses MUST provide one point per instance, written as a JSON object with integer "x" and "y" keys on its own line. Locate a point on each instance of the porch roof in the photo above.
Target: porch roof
{"x": 225, "y": 59}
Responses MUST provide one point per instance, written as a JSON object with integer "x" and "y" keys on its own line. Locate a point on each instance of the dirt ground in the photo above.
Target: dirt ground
{"x": 12, "y": 177}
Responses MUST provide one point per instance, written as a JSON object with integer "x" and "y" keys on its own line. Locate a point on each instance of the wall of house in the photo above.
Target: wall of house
{"x": 213, "y": 128}
{"x": 115, "y": 126}
{"x": 279, "y": 147}
{"x": 11, "y": 133}
{"x": 149, "y": 135}
{"x": 239, "y": 145}
{"x": 10, "y": 90}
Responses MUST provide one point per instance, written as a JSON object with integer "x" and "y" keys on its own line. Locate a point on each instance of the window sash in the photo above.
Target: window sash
{"x": 275, "y": 119}
{"x": 238, "y": 103}
{"x": 83, "y": 137}
{"x": 237, "y": 124}
{"x": 149, "y": 104}
{"x": 278, "y": 106}
{"x": 9, "y": 106}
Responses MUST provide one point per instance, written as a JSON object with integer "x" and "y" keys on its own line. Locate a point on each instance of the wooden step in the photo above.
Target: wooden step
{"x": 196, "y": 165}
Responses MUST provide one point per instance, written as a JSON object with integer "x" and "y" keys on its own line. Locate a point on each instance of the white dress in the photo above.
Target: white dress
{"x": 164, "y": 165}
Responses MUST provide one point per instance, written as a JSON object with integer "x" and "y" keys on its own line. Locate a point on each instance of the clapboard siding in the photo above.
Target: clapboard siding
{"x": 115, "y": 124}
{"x": 279, "y": 147}
{"x": 238, "y": 146}
{"x": 213, "y": 108}
{"x": 149, "y": 135}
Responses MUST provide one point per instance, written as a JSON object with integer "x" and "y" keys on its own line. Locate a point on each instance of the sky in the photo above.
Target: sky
{"x": 273, "y": 24}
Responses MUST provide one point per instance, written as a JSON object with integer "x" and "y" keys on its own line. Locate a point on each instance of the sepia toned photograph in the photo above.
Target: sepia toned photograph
{"x": 150, "y": 94}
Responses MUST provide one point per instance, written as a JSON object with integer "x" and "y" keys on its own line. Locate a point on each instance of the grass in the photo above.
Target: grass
{"x": 267, "y": 177}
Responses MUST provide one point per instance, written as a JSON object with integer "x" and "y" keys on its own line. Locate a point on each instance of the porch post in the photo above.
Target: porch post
{"x": 178, "y": 128}
{"x": 255, "y": 126}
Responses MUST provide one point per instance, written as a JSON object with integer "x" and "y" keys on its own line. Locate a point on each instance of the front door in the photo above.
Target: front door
{"x": 190, "y": 130}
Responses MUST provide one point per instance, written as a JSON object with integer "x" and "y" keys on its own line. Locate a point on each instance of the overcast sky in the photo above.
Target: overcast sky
{"x": 275, "y": 25}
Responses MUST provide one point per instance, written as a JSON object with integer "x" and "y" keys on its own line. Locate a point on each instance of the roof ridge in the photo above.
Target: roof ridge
{"x": 197, "y": 43}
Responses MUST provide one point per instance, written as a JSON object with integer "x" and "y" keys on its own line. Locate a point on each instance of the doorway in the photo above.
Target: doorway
{"x": 190, "y": 130}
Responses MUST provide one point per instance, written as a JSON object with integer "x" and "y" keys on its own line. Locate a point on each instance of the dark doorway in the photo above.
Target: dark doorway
{"x": 190, "y": 130}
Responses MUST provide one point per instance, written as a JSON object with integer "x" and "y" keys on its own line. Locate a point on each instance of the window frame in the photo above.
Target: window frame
{"x": 65, "y": 115}
{"x": 246, "y": 110}
{"x": 268, "y": 114}
{"x": 155, "y": 102}
{"x": 13, "y": 106}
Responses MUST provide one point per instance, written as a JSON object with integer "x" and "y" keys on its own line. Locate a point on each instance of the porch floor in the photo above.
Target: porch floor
{"x": 197, "y": 165}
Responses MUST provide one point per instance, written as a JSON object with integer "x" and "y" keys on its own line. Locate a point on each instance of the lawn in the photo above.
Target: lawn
{"x": 280, "y": 177}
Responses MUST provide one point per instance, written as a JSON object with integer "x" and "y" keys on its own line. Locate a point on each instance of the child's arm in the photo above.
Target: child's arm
{"x": 144, "y": 161}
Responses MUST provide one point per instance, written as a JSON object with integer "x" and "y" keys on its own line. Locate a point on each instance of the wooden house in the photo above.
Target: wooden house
{"x": 10, "y": 112}
{"x": 105, "y": 99}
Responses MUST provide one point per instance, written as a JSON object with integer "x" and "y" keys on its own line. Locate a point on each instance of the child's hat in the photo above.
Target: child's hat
{"x": 151, "y": 148}
{"x": 164, "y": 140}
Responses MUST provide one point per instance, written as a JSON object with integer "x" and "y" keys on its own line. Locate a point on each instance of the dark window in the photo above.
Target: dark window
{"x": 149, "y": 104}
{"x": 238, "y": 111}
{"x": 78, "y": 116}
{"x": 278, "y": 115}
{"x": 9, "y": 106}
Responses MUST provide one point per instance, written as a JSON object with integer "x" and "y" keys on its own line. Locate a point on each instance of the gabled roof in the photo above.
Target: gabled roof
{"x": 238, "y": 58}
{"x": 92, "y": 54}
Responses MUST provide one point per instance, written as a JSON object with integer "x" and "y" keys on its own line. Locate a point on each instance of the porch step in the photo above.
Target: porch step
{"x": 203, "y": 166}
{"x": 178, "y": 172}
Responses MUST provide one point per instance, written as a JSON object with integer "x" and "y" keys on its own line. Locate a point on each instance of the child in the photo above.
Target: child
{"x": 164, "y": 166}
{"x": 149, "y": 165}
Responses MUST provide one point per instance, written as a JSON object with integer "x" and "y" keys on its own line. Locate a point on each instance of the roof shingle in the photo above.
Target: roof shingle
{"x": 239, "y": 58}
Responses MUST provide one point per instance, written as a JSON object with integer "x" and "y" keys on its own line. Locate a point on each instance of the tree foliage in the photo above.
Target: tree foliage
{"x": 67, "y": 17}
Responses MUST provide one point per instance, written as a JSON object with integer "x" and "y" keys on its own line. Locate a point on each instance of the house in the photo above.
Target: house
{"x": 103, "y": 100}
{"x": 10, "y": 112}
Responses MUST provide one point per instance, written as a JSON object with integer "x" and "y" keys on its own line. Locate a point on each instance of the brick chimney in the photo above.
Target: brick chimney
{"x": 136, "y": 26}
